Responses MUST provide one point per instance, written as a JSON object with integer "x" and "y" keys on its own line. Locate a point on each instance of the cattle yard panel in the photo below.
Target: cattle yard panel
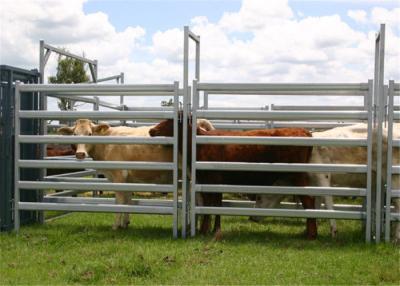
{"x": 187, "y": 101}
{"x": 362, "y": 89}
{"x": 80, "y": 204}
{"x": 392, "y": 170}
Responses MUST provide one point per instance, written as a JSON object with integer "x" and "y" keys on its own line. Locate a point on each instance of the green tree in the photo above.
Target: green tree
{"x": 69, "y": 70}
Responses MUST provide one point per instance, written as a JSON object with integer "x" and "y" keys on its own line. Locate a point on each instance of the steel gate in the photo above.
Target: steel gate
{"x": 357, "y": 89}
{"x": 87, "y": 204}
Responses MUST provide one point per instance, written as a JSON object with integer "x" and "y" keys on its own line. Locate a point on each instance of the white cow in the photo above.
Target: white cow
{"x": 344, "y": 155}
{"x": 129, "y": 152}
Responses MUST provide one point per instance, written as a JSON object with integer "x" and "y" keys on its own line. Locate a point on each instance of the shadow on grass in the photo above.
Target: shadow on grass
{"x": 278, "y": 232}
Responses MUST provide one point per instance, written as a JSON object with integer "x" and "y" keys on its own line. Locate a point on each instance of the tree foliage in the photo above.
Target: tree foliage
{"x": 69, "y": 70}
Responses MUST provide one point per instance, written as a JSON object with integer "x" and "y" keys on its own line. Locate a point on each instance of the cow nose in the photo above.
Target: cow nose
{"x": 80, "y": 155}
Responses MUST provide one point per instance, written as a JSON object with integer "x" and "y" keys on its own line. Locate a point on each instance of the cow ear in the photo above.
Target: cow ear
{"x": 65, "y": 130}
{"x": 101, "y": 128}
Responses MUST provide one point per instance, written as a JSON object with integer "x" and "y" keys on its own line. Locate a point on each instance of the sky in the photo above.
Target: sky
{"x": 241, "y": 40}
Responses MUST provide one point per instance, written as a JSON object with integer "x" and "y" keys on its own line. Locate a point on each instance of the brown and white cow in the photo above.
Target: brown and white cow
{"x": 118, "y": 152}
{"x": 246, "y": 153}
{"x": 345, "y": 155}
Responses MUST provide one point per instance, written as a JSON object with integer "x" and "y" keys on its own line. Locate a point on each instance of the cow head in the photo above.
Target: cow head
{"x": 84, "y": 127}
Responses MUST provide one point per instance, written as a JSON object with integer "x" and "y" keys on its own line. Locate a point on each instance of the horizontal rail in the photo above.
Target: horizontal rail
{"x": 95, "y": 139}
{"x": 120, "y": 187}
{"x": 395, "y": 216}
{"x": 280, "y": 167}
{"x": 309, "y": 213}
{"x": 287, "y": 205}
{"x": 395, "y": 194}
{"x": 74, "y": 179}
{"x": 396, "y": 170}
{"x": 103, "y": 165}
{"x": 95, "y": 208}
{"x": 313, "y": 191}
{"x": 282, "y": 115}
{"x": 73, "y": 174}
{"x": 109, "y": 89}
{"x": 88, "y": 100}
{"x": 86, "y": 200}
{"x": 66, "y": 193}
{"x": 278, "y": 124}
{"x": 289, "y": 141}
{"x": 316, "y": 107}
{"x": 396, "y": 143}
{"x": 56, "y": 115}
{"x": 289, "y": 88}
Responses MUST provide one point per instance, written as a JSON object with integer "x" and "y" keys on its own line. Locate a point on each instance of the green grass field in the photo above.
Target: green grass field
{"x": 82, "y": 249}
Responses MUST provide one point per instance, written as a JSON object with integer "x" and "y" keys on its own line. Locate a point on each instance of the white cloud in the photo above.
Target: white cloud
{"x": 360, "y": 16}
{"x": 262, "y": 42}
{"x": 390, "y": 17}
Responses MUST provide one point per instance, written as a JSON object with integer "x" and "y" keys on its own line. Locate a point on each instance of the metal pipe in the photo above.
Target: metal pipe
{"x": 309, "y": 213}
{"x": 120, "y": 187}
{"x": 95, "y": 140}
{"x": 283, "y": 115}
{"x": 281, "y": 167}
{"x": 102, "y": 165}
{"x": 95, "y": 208}
{"x": 96, "y": 115}
{"x": 288, "y": 141}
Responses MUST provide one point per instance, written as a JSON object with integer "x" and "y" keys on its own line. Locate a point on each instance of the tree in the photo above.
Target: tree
{"x": 69, "y": 70}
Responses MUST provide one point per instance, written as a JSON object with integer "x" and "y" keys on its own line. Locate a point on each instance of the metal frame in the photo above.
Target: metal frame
{"x": 88, "y": 184}
{"x": 187, "y": 34}
{"x": 394, "y": 90}
{"x": 363, "y": 89}
{"x": 379, "y": 107}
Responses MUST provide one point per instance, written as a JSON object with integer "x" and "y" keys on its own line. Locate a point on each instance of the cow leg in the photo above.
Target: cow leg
{"x": 324, "y": 180}
{"x": 123, "y": 198}
{"x": 205, "y": 224}
{"x": 119, "y": 200}
{"x": 217, "y": 223}
{"x": 329, "y": 206}
{"x": 309, "y": 203}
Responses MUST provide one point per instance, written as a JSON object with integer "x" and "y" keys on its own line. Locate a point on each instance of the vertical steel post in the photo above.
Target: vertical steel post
{"x": 17, "y": 156}
{"x": 186, "y": 107}
{"x": 194, "y": 158}
{"x": 205, "y": 100}
{"x": 43, "y": 123}
{"x": 122, "y": 81}
{"x": 368, "y": 223}
{"x": 175, "y": 158}
{"x": 389, "y": 161}
{"x": 380, "y": 109}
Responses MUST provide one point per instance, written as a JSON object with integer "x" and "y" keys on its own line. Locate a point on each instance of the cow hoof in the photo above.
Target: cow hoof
{"x": 334, "y": 233}
{"x": 218, "y": 235}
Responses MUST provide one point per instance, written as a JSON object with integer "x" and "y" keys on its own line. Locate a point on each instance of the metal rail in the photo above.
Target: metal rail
{"x": 71, "y": 182}
{"x": 345, "y": 114}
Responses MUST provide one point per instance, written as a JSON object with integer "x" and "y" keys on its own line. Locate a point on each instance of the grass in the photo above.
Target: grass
{"x": 82, "y": 249}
